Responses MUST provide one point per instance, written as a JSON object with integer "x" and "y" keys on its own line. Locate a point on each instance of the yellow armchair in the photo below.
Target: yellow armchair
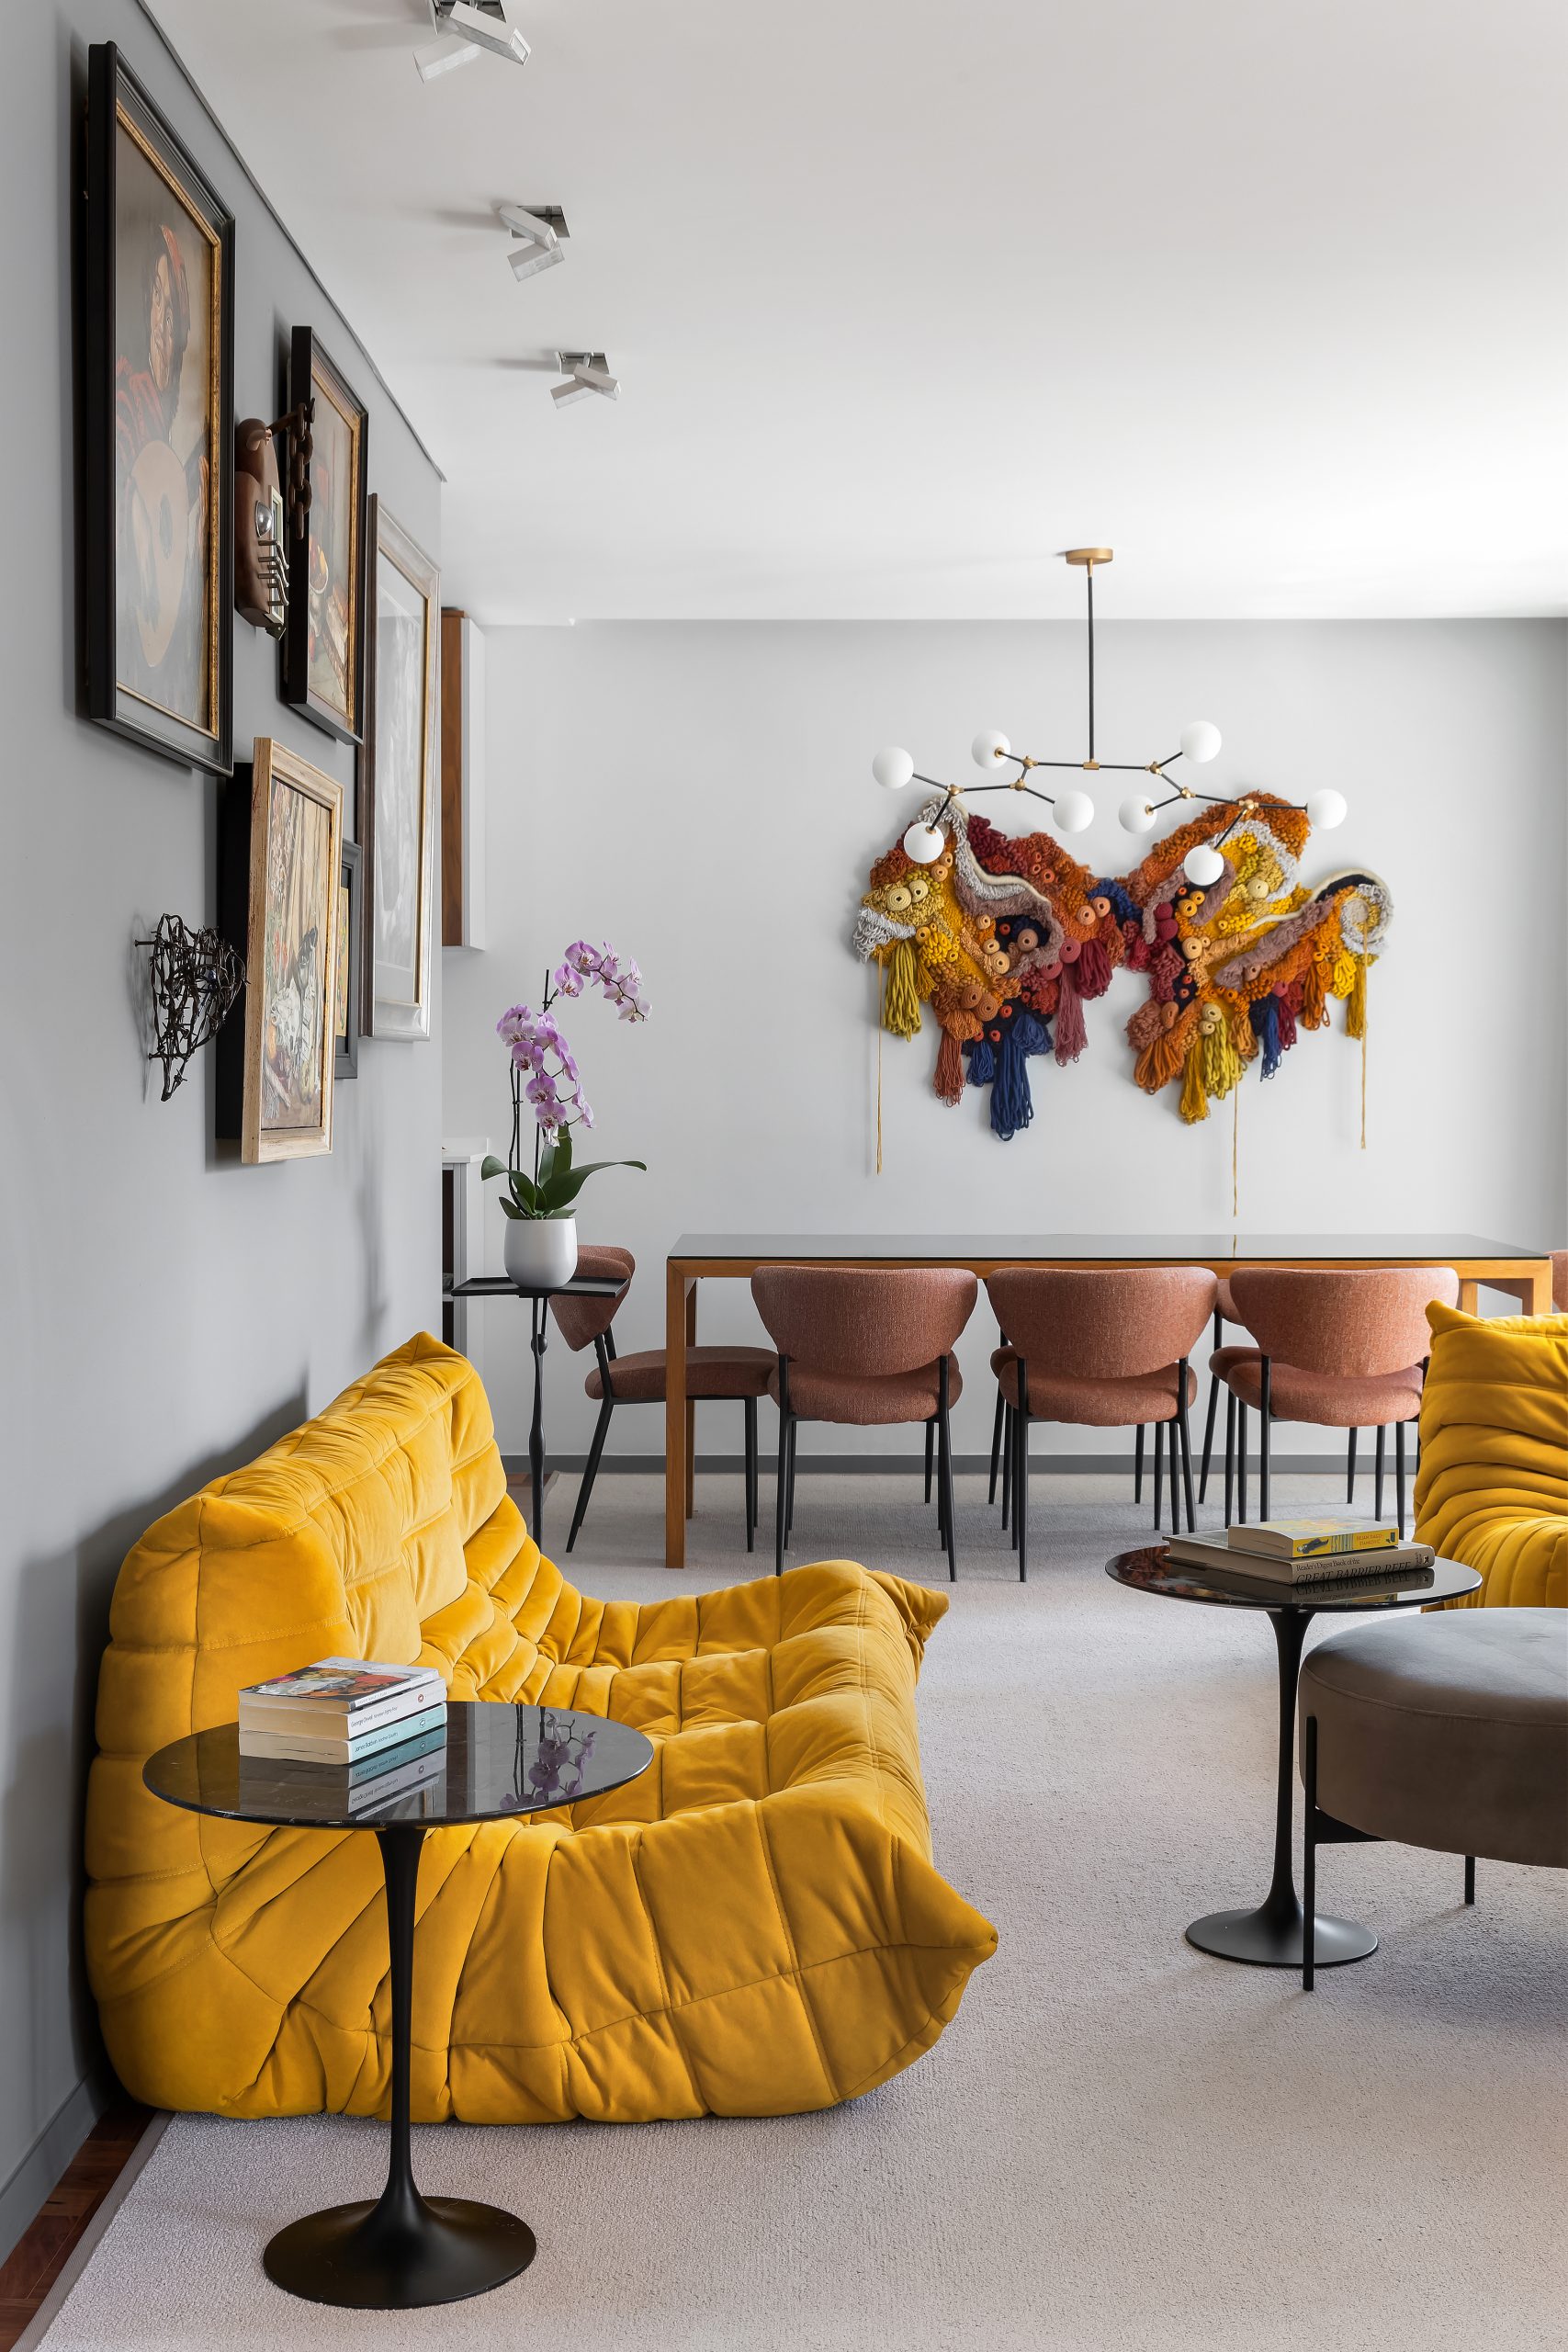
{"x": 754, "y": 1926}
{"x": 1492, "y": 1489}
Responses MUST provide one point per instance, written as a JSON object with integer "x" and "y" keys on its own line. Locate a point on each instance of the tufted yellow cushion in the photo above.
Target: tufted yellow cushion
{"x": 1492, "y": 1485}
{"x": 754, "y": 1926}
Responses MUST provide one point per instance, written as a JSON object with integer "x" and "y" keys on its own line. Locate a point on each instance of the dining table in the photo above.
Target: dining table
{"x": 1520, "y": 1272}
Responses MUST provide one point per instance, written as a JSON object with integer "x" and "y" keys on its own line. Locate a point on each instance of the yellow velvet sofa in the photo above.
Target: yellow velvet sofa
{"x": 754, "y": 1926}
{"x": 1492, "y": 1489}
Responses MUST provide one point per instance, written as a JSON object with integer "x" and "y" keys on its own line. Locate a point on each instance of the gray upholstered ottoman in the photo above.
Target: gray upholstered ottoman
{"x": 1449, "y": 1731}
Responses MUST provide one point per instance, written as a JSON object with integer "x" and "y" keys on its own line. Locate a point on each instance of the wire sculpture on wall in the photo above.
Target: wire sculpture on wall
{"x": 196, "y": 978}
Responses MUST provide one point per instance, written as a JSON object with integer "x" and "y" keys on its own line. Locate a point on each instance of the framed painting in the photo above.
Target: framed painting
{"x": 397, "y": 780}
{"x": 158, "y": 417}
{"x": 346, "y": 990}
{"x": 280, "y": 870}
{"x": 323, "y": 641}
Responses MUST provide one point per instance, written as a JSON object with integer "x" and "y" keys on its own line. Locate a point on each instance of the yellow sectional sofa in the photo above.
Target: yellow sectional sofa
{"x": 1492, "y": 1489}
{"x": 754, "y": 1926}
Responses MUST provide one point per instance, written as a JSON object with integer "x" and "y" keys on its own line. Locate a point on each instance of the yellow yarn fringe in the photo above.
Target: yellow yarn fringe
{"x": 1194, "y": 1102}
{"x": 1356, "y": 1009}
{"x": 1222, "y": 1063}
{"x": 901, "y": 1013}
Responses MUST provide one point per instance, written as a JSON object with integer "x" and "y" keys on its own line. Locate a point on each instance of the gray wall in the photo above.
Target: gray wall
{"x": 167, "y": 1312}
{"x": 701, "y": 795}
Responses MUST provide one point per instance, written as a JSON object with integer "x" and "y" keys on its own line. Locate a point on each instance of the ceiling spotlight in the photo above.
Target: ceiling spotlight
{"x": 466, "y": 26}
{"x": 585, "y": 372}
{"x": 537, "y": 233}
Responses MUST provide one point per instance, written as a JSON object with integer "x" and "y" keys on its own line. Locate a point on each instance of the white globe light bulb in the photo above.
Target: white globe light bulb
{"x": 1325, "y": 810}
{"x": 893, "y": 768}
{"x": 924, "y": 843}
{"x": 988, "y": 749}
{"x": 1135, "y": 816}
{"x": 1074, "y": 810}
{"x": 1199, "y": 741}
{"x": 1202, "y": 866}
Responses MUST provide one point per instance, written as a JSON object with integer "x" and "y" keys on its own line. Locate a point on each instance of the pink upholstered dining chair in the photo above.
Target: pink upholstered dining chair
{"x": 1098, "y": 1348}
{"x": 732, "y": 1374}
{"x": 1341, "y": 1348}
{"x": 870, "y": 1347}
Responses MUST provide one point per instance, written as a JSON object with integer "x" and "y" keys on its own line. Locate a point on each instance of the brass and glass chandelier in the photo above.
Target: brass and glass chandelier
{"x": 1073, "y": 809}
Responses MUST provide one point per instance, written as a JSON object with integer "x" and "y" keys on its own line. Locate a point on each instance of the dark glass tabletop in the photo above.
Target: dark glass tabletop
{"x": 489, "y": 1761}
{"x": 1150, "y": 1571}
{"x": 1087, "y": 1248}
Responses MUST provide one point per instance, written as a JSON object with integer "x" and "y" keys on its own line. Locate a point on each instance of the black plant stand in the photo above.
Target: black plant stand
{"x": 538, "y": 1298}
{"x": 405, "y": 2250}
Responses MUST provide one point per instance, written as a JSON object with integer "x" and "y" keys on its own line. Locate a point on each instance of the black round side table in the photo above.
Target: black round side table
{"x": 1274, "y": 1935}
{"x": 405, "y": 2250}
{"x": 538, "y": 1295}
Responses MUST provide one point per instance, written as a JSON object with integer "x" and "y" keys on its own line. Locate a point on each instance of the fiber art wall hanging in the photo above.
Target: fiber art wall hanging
{"x": 1008, "y": 939}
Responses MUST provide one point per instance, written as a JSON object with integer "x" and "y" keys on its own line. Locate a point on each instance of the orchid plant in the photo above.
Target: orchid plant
{"x": 545, "y": 1076}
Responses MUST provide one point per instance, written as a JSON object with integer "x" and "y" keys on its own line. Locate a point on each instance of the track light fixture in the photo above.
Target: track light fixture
{"x": 1074, "y": 810}
{"x": 585, "y": 373}
{"x": 465, "y": 27}
{"x": 537, "y": 233}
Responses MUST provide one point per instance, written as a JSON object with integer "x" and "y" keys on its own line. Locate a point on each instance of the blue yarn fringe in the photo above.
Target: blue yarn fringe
{"x": 1264, "y": 1015}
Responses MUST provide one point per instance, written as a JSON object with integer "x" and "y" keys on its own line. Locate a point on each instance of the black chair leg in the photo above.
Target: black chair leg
{"x": 1213, "y": 1408}
{"x": 1351, "y": 1467}
{"x": 1265, "y": 1419}
{"x": 1138, "y": 1468}
{"x": 1006, "y": 1466}
{"x": 1470, "y": 1878}
{"x": 1377, "y": 1477}
{"x": 1399, "y": 1476}
{"x": 944, "y": 1471}
{"x": 591, "y": 1469}
{"x": 1241, "y": 1461}
{"x": 995, "y": 1448}
{"x": 1185, "y": 1433}
{"x": 1159, "y": 1475}
{"x": 1020, "y": 1471}
{"x": 930, "y": 1447}
{"x": 782, "y": 1501}
{"x": 789, "y": 1482}
{"x": 1230, "y": 1451}
{"x": 750, "y": 1414}
{"x": 1308, "y": 1854}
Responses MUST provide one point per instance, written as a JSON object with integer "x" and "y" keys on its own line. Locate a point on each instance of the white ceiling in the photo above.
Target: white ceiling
{"x": 1270, "y": 294}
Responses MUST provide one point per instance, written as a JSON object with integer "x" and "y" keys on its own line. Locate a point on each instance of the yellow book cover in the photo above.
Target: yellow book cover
{"x": 1312, "y": 1539}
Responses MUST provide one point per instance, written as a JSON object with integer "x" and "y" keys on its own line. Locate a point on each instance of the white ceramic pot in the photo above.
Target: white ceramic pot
{"x": 541, "y": 1251}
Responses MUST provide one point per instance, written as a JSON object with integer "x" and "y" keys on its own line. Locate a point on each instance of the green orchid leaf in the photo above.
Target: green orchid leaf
{"x": 491, "y": 1166}
{"x": 565, "y": 1189}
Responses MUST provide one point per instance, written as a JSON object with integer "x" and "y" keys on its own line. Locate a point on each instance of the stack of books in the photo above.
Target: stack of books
{"x": 383, "y": 1727}
{"x": 1308, "y": 1552}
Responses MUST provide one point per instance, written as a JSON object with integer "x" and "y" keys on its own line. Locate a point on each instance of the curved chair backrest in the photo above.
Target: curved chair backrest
{"x": 1102, "y": 1323}
{"x": 1360, "y": 1322}
{"x": 870, "y": 1320}
{"x": 583, "y": 1320}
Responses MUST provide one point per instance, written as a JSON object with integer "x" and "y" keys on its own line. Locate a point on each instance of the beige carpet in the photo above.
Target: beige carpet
{"x": 1120, "y": 2145}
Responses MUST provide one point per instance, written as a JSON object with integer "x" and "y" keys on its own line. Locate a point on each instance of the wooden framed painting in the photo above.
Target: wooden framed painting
{"x": 323, "y": 641}
{"x": 158, "y": 415}
{"x": 397, "y": 780}
{"x": 346, "y": 990}
{"x": 280, "y": 868}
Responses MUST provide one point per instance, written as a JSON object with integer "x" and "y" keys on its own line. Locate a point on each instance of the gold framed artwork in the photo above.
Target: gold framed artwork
{"x": 158, "y": 408}
{"x": 280, "y": 870}
{"x": 323, "y": 639}
{"x": 397, "y": 780}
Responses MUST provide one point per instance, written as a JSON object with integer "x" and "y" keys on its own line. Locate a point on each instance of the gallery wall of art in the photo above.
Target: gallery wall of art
{"x": 728, "y": 847}
{"x": 168, "y": 1307}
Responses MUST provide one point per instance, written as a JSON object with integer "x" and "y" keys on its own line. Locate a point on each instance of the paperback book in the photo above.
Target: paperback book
{"x": 340, "y": 1698}
{"x": 301, "y": 1748}
{"x": 1387, "y": 1563}
{"x": 1312, "y": 1539}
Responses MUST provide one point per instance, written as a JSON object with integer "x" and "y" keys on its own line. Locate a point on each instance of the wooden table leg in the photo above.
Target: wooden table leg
{"x": 690, "y": 1407}
{"x": 1469, "y": 1296}
{"x": 677, "y": 1287}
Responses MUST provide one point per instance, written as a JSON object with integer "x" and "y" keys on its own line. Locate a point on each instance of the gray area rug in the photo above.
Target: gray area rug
{"x": 1120, "y": 2144}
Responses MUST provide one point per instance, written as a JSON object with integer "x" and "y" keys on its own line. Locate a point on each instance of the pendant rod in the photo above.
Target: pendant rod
{"x": 1088, "y": 590}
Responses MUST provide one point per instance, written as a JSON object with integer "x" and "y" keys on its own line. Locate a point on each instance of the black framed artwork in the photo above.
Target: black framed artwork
{"x": 323, "y": 642}
{"x": 158, "y": 419}
{"x": 347, "y": 986}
